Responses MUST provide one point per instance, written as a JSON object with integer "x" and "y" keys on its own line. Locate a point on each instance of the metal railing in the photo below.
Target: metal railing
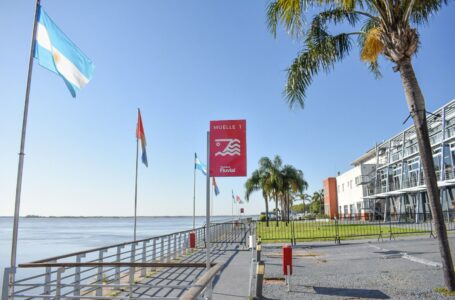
{"x": 351, "y": 226}
{"x": 113, "y": 272}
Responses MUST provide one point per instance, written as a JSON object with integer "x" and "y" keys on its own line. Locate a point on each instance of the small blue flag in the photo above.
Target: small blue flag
{"x": 215, "y": 187}
{"x": 199, "y": 166}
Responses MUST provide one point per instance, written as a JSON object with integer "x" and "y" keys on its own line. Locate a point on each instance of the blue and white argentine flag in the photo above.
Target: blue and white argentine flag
{"x": 57, "y": 53}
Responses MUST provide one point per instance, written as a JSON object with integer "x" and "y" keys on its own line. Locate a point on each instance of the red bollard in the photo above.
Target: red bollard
{"x": 287, "y": 259}
{"x": 192, "y": 240}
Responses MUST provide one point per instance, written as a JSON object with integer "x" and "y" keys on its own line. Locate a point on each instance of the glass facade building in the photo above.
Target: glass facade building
{"x": 396, "y": 185}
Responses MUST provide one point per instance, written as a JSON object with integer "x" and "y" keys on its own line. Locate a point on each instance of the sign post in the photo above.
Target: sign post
{"x": 226, "y": 157}
{"x": 207, "y": 217}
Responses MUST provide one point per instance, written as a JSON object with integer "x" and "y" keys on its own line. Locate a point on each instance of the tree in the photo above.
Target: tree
{"x": 388, "y": 28}
{"x": 305, "y": 198}
{"x": 292, "y": 182}
{"x": 273, "y": 180}
{"x": 317, "y": 202}
{"x": 257, "y": 182}
{"x": 277, "y": 182}
{"x": 298, "y": 208}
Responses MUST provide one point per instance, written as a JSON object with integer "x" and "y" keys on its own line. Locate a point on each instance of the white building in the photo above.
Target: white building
{"x": 350, "y": 188}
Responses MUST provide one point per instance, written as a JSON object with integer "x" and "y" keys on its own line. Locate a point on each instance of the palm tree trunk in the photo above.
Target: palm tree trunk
{"x": 276, "y": 209}
{"x": 416, "y": 104}
{"x": 288, "y": 206}
{"x": 266, "y": 211}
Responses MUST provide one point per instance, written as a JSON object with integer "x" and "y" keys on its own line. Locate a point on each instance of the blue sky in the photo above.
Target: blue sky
{"x": 185, "y": 63}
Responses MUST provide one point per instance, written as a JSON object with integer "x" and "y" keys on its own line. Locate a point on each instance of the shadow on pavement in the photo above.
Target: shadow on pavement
{"x": 358, "y": 293}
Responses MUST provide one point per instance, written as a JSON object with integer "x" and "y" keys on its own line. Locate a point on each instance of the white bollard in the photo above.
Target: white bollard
{"x": 252, "y": 241}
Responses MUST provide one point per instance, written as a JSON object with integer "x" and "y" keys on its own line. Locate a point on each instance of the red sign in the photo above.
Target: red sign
{"x": 227, "y": 148}
{"x": 242, "y": 210}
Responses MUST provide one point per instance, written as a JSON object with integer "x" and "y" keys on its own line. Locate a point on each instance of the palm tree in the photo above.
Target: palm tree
{"x": 306, "y": 199}
{"x": 293, "y": 182}
{"x": 257, "y": 182}
{"x": 273, "y": 179}
{"x": 318, "y": 202}
{"x": 388, "y": 28}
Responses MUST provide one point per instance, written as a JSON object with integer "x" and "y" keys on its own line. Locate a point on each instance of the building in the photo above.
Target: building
{"x": 388, "y": 180}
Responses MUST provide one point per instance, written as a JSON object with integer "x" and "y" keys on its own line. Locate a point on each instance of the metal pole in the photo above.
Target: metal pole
{"x": 207, "y": 212}
{"x": 232, "y": 209}
{"x": 211, "y": 202}
{"x": 207, "y": 217}
{"x": 194, "y": 194}
{"x": 135, "y": 187}
{"x": 21, "y": 155}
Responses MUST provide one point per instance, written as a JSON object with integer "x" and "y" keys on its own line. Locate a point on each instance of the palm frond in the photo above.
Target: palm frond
{"x": 287, "y": 12}
{"x": 374, "y": 68}
{"x": 323, "y": 51}
{"x": 423, "y": 9}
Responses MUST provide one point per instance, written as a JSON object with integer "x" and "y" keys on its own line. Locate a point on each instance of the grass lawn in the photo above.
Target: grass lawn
{"x": 322, "y": 230}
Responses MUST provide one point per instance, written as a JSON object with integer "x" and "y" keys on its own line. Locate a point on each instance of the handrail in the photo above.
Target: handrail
{"x": 111, "y": 246}
{"x": 201, "y": 283}
{"x": 115, "y": 264}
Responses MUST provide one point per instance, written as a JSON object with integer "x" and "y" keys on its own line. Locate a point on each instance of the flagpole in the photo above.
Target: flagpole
{"x": 232, "y": 209}
{"x": 211, "y": 201}
{"x": 20, "y": 167}
{"x": 135, "y": 185}
{"x": 194, "y": 193}
{"x": 207, "y": 211}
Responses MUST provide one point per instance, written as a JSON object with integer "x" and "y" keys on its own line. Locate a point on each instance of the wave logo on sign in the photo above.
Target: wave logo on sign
{"x": 232, "y": 148}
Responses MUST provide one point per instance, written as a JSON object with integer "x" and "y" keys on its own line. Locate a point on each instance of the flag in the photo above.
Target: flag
{"x": 140, "y": 135}
{"x": 199, "y": 166}
{"x": 238, "y": 199}
{"x": 57, "y": 53}
{"x": 215, "y": 187}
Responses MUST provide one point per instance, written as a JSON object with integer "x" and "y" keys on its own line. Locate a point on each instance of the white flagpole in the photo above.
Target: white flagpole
{"x": 194, "y": 193}
{"x": 21, "y": 157}
{"x": 135, "y": 185}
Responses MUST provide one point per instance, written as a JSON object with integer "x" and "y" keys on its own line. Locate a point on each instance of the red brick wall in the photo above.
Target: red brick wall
{"x": 330, "y": 196}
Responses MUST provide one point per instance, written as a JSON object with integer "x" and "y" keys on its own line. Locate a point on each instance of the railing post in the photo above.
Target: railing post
{"x": 118, "y": 259}
{"x": 47, "y": 281}
{"x": 6, "y": 287}
{"x": 59, "y": 283}
{"x": 99, "y": 275}
{"x": 132, "y": 269}
{"x": 77, "y": 276}
{"x": 168, "y": 254}
{"x": 175, "y": 246}
{"x": 181, "y": 246}
{"x": 185, "y": 243}
{"x": 154, "y": 252}
{"x": 144, "y": 258}
{"x": 162, "y": 250}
